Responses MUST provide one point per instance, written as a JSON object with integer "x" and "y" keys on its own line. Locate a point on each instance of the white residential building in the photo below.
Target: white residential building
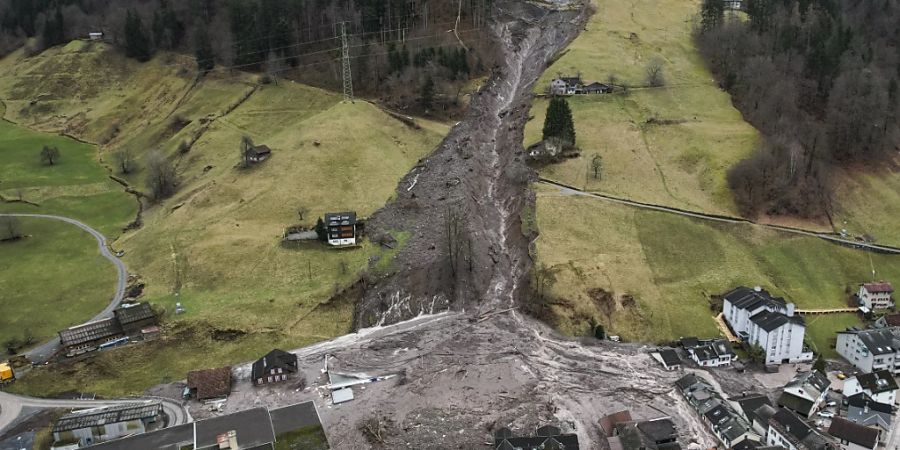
{"x": 880, "y": 386}
{"x": 768, "y": 322}
{"x": 709, "y": 353}
{"x": 874, "y": 296}
{"x": 870, "y": 350}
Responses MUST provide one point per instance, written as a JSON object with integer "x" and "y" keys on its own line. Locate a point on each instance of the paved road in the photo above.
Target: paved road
{"x": 569, "y": 190}
{"x": 45, "y": 351}
{"x": 11, "y": 406}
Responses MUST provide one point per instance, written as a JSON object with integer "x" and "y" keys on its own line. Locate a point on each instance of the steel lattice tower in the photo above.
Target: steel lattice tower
{"x": 345, "y": 60}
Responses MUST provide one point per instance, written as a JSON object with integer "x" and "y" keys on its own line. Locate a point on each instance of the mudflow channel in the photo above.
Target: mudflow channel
{"x": 462, "y": 204}
{"x": 450, "y": 379}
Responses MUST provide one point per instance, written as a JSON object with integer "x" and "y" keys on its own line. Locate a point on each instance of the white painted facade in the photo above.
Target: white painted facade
{"x": 875, "y": 299}
{"x": 773, "y": 438}
{"x": 850, "y": 346}
{"x": 853, "y": 387}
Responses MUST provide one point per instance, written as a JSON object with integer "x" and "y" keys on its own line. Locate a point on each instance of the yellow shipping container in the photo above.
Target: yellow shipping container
{"x": 6, "y": 372}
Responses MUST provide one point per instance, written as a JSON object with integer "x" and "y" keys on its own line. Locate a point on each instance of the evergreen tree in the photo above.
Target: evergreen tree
{"x": 321, "y": 231}
{"x": 558, "y": 123}
{"x": 819, "y": 365}
{"x": 137, "y": 45}
{"x": 203, "y": 51}
{"x": 599, "y": 332}
{"x": 54, "y": 29}
{"x": 712, "y": 14}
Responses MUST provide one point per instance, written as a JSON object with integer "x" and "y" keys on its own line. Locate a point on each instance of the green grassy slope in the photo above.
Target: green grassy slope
{"x": 672, "y": 264}
{"x": 670, "y": 145}
{"x": 215, "y": 245}
{"x": 53, "y": 279}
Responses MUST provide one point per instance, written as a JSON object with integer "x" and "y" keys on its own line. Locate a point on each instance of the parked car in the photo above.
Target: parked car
{"x": 841, "y": 376}
{"x": 826, "y": 414}
{"x": 831, "y": 403}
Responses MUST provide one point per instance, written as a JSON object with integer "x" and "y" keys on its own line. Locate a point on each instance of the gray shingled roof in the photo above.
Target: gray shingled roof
{"x": 135, "y": 313}
{"x": 846, "y": 430}
{"x": 111, "y": 414}
{"x": 878, "y": 341}
{"x": 88, "y": 332}
{"x": 769, "y": 321}
{"x": 746, "y": 298}
{"x": 877, "y": 382}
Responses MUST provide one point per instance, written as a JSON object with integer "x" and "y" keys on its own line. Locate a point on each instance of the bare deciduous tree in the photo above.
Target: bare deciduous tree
{"x": 162, "y": 178}
{"x": 49, "y": 155}
{"x": 654, "y": 73}
{"x": 124, "y": 161}
{"x": 597, "y": 165}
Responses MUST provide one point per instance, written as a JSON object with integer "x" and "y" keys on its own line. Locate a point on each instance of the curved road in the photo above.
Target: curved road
{"x": 11, "y": 406}
{"x": 42, "y": 353}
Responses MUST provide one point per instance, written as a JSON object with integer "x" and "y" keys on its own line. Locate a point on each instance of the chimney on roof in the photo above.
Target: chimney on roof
{"x": 228, "y": 441}
{"x": 866, "y": 407}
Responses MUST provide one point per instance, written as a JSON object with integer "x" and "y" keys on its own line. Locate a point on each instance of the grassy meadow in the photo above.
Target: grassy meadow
{"x": 215, "y": 246}
{"x": 671, "y": 265}
{"x": 670, "y": 145}
{"x": 53, "y": 279}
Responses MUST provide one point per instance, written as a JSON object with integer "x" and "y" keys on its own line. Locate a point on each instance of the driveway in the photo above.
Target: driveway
{"x": 43, "y": 352}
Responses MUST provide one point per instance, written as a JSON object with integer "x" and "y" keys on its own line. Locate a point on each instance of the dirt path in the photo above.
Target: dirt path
{"x": 571, "y": 190}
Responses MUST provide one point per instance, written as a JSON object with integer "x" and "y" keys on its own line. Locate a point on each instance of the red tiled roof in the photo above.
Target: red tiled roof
{"x": 608, "y": 423}
{"x": 879, "y": 287}
{"x": 892, "y": 320}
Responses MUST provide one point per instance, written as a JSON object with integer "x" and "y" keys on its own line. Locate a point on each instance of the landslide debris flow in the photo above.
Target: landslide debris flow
{"x": 462, "y": 204}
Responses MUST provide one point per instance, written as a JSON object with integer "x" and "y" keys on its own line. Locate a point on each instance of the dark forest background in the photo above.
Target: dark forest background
{"x": 819, "y": 78}
{"x": 401, "y": 49}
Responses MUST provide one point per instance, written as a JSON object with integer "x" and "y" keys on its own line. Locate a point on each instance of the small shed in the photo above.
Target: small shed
{"x": 259, "y": 153}
{"x": 95, "y": 36}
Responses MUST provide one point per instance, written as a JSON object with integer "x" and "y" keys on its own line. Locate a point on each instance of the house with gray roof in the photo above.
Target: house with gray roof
{"x": 870, "y": 350}
{"x": 729, "y": 426}
{"x": 854, "y": 436}
{"x": 768, "y": 322}
{"x": 788, "y": 430}
{"x": 863, "y": 410}
{"x": 806, "y": 393}
{"x": 879, "y": 386}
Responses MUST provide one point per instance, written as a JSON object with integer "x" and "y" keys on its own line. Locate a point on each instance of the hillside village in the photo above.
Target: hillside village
{"x": 319, "y": 225}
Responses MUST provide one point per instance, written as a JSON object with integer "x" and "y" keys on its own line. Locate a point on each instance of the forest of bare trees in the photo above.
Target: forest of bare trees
{"x": 819, "y": 79}
{"x": 397, "y": 46}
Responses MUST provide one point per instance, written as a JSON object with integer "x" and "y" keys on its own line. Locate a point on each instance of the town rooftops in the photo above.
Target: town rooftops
{"x": 877, "y": 341}
{"x": 253, "y": 428}
{"x": 865, "y": 411}
{"x": 877, "y": 382}
{"x": 210, "y": 383}
{"x": 689, "y": 342}
{"x": 658, "y": 430}
{"x": 750, "y": 403}
{"x": 134, "y": 313}
{"x": 879, "y": 288}
{"x": 892, "y": 320}
{"x": 609, "y": 422}
{"x": 686, "y": 382}
{"x": 89, "y": 332}
{"x": 846, "y": 430}
{"x": 571, "y": 81}
{"x": 795, "y": 430}
{"x": 743, "y": 297}
{"x": 546, "y": 437}
{"x": 670, "y": 357}
{"x": 811, "y": 381}
{"x": 768, "y": 320}
{"x": 862, "y": 400}
{"x": 107, "y": 415}
{"x": 338, "y": 219}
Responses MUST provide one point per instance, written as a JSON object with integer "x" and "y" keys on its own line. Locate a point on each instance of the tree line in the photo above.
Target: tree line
{"x": 397, "y": 44}
{"x": 819, "y": 79}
